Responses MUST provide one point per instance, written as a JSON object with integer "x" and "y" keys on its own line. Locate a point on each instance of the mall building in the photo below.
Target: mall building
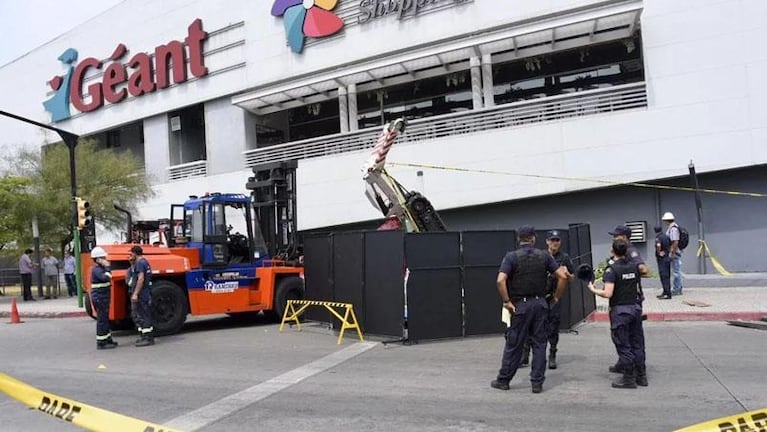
{"x": 519, "y": 111}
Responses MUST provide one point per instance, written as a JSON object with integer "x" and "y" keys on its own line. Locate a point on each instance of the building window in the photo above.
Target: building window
{"x": 187, "y": 135}
{"x": 129, "y": 138}
{"x": 418, "y": 99}
{"x": 296, "y": 124}
{"x": 584, "y": 68}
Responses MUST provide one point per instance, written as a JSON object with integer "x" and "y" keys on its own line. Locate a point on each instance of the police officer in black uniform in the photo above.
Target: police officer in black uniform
{"x": 623, "y": 288}
{"x": 554, "y": 245}
{"x": 622, "y": 232}
{"x": 521, "y": 284}
{"x": 101, "y": 293}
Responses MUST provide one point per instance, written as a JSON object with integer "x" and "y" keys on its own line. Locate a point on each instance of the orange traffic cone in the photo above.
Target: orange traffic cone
{"x": 14, "y": 313}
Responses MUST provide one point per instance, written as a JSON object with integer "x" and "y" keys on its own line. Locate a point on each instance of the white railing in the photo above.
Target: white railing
{"x": 511, "y": 115}
{"x": 188, "y": 170}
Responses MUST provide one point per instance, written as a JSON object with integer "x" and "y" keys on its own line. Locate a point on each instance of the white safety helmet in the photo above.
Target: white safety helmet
{"x": 668, "y": 216}
{"x": 98, "y": 252}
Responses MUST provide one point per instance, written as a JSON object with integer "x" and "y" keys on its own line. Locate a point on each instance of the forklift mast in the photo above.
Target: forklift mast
{"x": 273, "y": 192}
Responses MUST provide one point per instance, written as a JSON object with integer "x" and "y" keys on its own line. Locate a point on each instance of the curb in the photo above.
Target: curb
{"x": 77, "y": 314}
{"x": 687, "y": 316}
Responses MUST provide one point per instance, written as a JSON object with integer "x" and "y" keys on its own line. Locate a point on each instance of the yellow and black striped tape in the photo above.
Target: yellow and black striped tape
{"x": 582, "y": 179}
{"x": 319, "y": 303}
{"x": 747, "y": 421}
{"x": 74, "y": 412}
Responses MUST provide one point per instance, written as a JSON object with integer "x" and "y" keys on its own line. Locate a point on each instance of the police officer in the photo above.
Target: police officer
{"x": 553, "y": 243}
{"x": 622, "y": 232}
{"x": 623, "y": 288}
{"x": 521, "y": 284}
{"x": 101, "y": 287}
{"x": 662, "y": 256}
{"x": 140, "y": 288}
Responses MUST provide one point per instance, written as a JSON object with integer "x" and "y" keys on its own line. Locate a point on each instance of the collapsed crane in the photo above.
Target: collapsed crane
{"x": 398, "y": 205}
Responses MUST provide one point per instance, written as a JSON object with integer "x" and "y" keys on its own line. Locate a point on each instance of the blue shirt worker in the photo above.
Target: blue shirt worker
{"x": 622, "y": 287}
{"x": 101, "y": 288}
{"x": 662, "y": 256}
{"x": 140, "y": 288}
{"x": 521, "y": 284}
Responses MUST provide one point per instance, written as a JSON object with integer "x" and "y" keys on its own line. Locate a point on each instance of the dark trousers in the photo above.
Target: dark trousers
{"x": 664, "y": 270}
{"x": 555, "y": 318}
{"x": 26, "y": 285}
{"x": 628, "y": 335}
{"x": 141, "y": 312}
{"x": 529, "y": 320}
{"x": 71, "y": 284}
{"x": 101, "y": 298}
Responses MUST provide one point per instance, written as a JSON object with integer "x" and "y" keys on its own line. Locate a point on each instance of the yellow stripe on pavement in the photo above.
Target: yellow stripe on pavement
{"x": 74, "y": 412}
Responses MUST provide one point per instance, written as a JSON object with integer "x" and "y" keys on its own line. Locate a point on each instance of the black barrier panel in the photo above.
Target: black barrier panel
{"x": 318, "y": 273}
{"x": 434, "y": 285}
{"x": 432, "y": 250}
{"x": 482, "y": 255}
{"x": 434, "y": 304}
{"x": 349, "y": 274}
{"x": 384, "y": 283}
{"x": 582, "y": 301}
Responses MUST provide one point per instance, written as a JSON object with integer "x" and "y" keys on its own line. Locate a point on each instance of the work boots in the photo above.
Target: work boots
{"x": 616, "y": 368}
{"x": 641, "y": 372}
{"x": 627, "y": 380}
{"x": 553, "y": 357}
{"x": 106, "y": 344}
{"x": 145, "y": 341}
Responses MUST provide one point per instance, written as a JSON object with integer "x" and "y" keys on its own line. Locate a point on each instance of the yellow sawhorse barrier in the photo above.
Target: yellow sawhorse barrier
{"x": 348, "y": 320}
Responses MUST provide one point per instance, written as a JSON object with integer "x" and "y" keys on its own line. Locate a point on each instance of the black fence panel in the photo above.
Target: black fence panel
{"x": 434, "y": 285}
{"x": 582, "y": 302}
{"x": 482, "y": 255}
{"x": 349, "y": 274}
{"x": 384, "y": 310}
{"x": 318, "y": 273}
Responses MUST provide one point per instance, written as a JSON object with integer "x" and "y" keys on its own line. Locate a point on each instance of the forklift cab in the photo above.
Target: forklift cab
{"x": 214, "y": 224}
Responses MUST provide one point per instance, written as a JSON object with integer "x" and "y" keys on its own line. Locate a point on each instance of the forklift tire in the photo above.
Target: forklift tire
{"x": 290, "y": 288}
{"x": 169, "y": 307}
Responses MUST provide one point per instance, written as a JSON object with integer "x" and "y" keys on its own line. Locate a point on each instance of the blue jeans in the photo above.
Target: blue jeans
{"x": 676, "y": 271}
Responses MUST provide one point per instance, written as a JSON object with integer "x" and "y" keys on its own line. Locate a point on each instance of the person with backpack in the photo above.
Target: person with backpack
{"x": 679, "y": 239}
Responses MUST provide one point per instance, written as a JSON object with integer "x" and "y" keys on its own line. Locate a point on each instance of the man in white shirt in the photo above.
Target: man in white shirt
{"x": 672, "y": 231}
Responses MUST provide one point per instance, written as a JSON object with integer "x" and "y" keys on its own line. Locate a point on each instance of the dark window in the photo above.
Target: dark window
{"x": 187, "y": 135}
{"x": 584, "y": 68}
{"x": 418, "y": 99}
{"x": 129, "y": 137}
{"x": 296, "y": 124}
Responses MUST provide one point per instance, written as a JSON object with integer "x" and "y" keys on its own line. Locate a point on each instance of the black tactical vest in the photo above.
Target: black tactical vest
{"x": 627, "y": 290}
{"x": 528, "y": 278}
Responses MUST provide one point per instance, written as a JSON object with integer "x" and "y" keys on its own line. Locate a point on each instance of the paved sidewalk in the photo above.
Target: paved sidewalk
{"x": 714, "y": 304}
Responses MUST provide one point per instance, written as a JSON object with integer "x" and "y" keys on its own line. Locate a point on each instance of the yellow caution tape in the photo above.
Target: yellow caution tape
{"x": 702, "y": 245}
{"x": 583, "y": 179}
{"x": 747, "y": 421}
{"x": 72, "y": 411}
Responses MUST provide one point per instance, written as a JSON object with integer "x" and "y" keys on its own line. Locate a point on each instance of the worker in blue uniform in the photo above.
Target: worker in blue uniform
{"x": 101, "y": 287}
{"x": 140, "y": 288}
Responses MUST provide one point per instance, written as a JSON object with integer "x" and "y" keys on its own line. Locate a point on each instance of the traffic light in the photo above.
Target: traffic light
{"x": 84, "y": 218}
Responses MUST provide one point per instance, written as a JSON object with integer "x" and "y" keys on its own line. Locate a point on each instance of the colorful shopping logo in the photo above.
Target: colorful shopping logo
{"x": 58, "y": 105}
{"x": 307, "y": 18}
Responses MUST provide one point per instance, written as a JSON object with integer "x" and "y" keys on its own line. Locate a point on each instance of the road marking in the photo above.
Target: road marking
{"x": 217, "y": 410}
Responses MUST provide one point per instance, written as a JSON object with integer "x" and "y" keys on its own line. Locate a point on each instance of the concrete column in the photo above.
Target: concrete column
{"x": 476, "y": 82}
{"x": 343, "y": 109}
{"x": 487, "y": 80}
{"x": 352, "y": 96}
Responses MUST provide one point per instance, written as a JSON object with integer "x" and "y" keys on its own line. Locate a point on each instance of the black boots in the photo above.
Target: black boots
{"x": 553, "y": 357}
{"x": 500, "y": 385}
{"x": 616, "y": 368}
{"x": 106, "y": 344}
{"x": 628, "y": 380}
{"x": 641, "y": 373}
{"x": 145, "y": 341}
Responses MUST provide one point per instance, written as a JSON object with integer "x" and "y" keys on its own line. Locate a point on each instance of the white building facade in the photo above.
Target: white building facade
{"x": 520, "y": 111}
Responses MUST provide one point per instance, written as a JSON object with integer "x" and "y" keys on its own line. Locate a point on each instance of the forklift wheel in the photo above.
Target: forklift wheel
{"x": 290, "y": 288}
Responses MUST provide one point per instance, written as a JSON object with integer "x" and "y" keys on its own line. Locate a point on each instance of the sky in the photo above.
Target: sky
{"x": 27, "y": 24}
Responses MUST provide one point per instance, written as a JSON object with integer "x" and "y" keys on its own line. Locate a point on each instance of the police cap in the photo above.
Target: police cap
{"x": 526, "y": 231}
{"x": 553, "y": 234}
{"x": 585, "y": 273}
{"x": 621, "y": 230}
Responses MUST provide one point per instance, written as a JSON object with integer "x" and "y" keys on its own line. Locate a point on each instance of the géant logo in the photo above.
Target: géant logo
{"x": 307, "y": 18}
{"x": 138, "y": 76}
